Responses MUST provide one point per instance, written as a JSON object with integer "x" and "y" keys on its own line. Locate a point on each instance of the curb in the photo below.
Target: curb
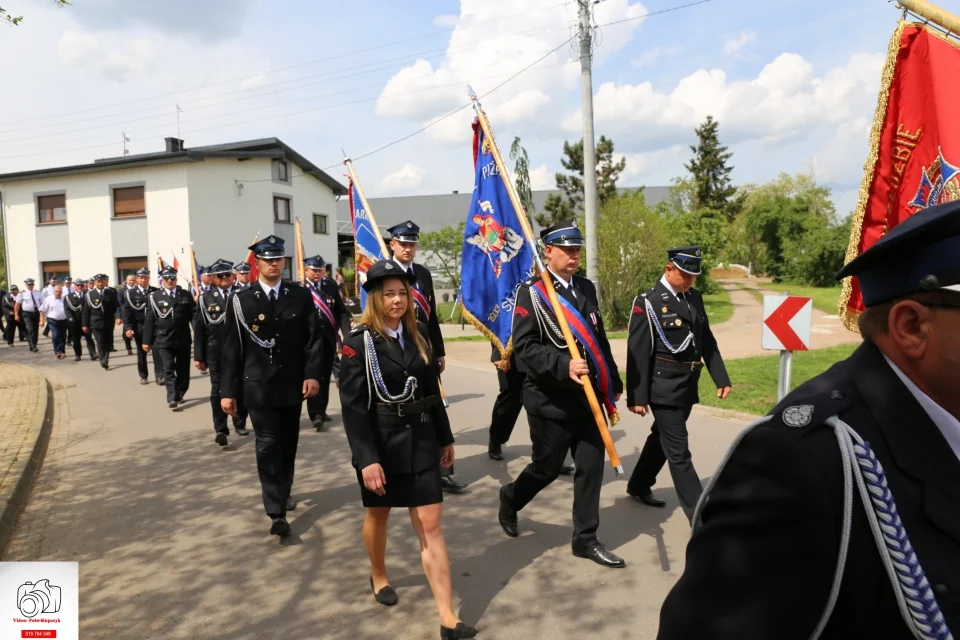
{"x": 725, "y": 414}
{"x": 15, "y": 497}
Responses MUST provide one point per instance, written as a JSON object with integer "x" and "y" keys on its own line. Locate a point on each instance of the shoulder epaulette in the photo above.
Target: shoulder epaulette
{"x": 360, "y": 328}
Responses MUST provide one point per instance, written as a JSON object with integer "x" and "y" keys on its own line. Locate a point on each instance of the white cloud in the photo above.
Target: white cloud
{"x": 446, "y": 20}
{"x": 541, "y": 179}
{"x": 734, "y": 45}
{"x": 118, "y": 60}
{"x": 408, "y": 178}
{"x": 651, "y": 56}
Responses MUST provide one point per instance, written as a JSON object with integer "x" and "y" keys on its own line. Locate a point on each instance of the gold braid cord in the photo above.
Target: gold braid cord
{"x": 505, "y": 352}
{"x": 848, "y": 316}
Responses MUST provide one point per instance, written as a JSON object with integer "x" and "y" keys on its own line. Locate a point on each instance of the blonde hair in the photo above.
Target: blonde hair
{"x": 375, "y": 314}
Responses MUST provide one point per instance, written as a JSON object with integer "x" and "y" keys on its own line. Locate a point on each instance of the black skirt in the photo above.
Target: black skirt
{"x": 405, "y": 490}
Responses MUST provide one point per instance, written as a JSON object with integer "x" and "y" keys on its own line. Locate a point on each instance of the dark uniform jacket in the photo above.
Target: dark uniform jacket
{"x": 425, "y": 284}
{"x": 133, "y": 307}
{"x": 341, "y": 317}
{"x": 172, "y": 331}
{"x": 761, "y": 564}
{"x": 656, "y": 376}
{"x": 542, "y": 353}
{"x": 73, "y": 304}
{"x": 101, "y": 308}
{"x": 408, "y": 444}
{"x": 209, "y": 331}
{"x": 8, "y": 304}
{"x": 266, "y": 377}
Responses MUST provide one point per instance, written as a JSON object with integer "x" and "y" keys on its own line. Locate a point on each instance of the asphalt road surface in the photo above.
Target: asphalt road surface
{"x": 172, "y": 540}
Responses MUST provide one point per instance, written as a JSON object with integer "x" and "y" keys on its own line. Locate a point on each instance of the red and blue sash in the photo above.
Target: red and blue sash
{"x": 584, "y": 335}
{"x": 325, "y": 312}
{"x": 422, "y": 303}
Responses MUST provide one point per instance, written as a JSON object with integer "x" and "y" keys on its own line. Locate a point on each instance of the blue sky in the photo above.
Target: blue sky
{"x": 792, "y": 83}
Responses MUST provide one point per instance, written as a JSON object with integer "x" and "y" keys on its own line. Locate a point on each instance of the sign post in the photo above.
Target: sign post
{"x": 786, "y": 328}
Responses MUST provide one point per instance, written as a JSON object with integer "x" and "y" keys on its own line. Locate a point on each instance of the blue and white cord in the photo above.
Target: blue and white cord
{"x": 376, "y": 376}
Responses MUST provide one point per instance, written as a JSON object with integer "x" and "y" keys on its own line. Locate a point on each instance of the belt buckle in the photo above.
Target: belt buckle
{"x": 693, "y": 367}
{"x": 400, "y": 413}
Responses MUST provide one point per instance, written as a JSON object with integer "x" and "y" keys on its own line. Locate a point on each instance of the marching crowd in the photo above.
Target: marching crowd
{"x": 764, "y": 548}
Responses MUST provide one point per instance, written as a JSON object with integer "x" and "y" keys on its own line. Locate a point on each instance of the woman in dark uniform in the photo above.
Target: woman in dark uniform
{"x": 399, "y": 433}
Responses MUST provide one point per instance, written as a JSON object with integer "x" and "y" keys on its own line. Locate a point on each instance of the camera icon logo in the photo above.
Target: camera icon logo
{"x": 34, "y": 598}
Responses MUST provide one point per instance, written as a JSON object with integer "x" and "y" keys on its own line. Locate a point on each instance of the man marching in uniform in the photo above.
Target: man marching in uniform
{"x": 167, "y": 330}
{"x": 557, "y": 409}
{"x": 129, "y": 283}
{"x": 272, "y": 360}
{"x": 134, "y": 311}
{"x": 404, "y": 240}
{"x": 243, "y": 276}
{"x": 333, "y": 317}
{"x": 101, "y": 312}
{"x": 209, "y": 333}
{"x": 26, "y": 311}
{"x": 73, "y": 304}
{"x": 12, "y": 325}
{"x": 838, "y": 515}
{"x": 669, "y": 342}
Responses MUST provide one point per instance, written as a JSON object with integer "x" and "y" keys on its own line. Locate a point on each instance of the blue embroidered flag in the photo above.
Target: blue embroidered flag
{"x": 496, "y": 257}
{"x": 368, "y": 244}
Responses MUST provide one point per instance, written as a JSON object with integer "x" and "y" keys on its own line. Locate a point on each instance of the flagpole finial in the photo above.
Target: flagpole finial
{"x": 346, "y": 158}
{"x": 472, "y": 94}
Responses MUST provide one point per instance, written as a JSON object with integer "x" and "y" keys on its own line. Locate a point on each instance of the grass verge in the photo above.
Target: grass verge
{"x": 826, "y": 299}
{"x": 756, "y": 293}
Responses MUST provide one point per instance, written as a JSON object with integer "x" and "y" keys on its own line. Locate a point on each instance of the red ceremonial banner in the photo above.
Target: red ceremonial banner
{"x": 914, "y": 158}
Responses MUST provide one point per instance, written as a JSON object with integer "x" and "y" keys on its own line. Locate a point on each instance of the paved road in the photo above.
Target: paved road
{"x": 172, "y": 541}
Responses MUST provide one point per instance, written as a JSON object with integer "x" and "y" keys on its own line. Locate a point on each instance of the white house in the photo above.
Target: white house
{"x": 117, "y": 214}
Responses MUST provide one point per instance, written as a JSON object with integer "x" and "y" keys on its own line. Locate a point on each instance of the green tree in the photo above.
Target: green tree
{"x": 710, "y": 171}
{"x": 632, "y": 244}
{"x": 814, "y": 258}
{"x": 15, "y": 20}
{"x": 443, "y": 249}
{"x": 521, "y": 169}
{"x": 570, "y": 204}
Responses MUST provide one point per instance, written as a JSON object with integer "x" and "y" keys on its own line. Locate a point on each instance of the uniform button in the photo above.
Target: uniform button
{"x": 836, "y": 394}
{"x": 941, "y": 590}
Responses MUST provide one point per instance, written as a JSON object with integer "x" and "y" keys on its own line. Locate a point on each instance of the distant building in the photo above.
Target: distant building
{"x": 116, "y": 215}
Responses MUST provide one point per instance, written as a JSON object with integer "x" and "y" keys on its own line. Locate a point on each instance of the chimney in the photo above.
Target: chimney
{"x": 456, "y": 192}
{"x": 173, "y": 144}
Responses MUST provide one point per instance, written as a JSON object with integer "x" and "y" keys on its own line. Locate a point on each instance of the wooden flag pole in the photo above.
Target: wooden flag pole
{"x": 298, "y": 251}
{"x": 366, "y": 207}
{"x": 548, "y": 285}
{"x": 933, "y": 13}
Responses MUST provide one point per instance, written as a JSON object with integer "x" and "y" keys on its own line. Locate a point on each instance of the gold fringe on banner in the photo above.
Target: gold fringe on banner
{"x": 505, "y": 352}
{"x": 847, "y": 316}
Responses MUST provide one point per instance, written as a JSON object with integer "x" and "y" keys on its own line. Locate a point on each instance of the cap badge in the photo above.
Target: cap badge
{"x": 388, "y": 266}
{"x": 271, "y": 240}
{"x": 799, "y": 416}
{"x": 409, "y": 225}
{"x": 697, "y": 253}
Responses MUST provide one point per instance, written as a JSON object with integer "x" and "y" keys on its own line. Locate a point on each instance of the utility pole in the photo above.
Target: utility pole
{"x": 178, "y": 121}
{"x": 126, "y": 139}
{"x": 590, "y": 202}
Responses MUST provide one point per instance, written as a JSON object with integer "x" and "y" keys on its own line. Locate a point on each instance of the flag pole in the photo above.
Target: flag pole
{"x": 548, "y": 285}
{"x": 193, "y": 271}
{"x": 250, "y": 254}
{"x": 933, "y": 13}
{"x": 366, "y": 206}
{"x": 299, "y": 251}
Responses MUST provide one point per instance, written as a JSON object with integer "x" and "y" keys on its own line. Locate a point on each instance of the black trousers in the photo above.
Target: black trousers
{"x": 176, "y": 371}
{"x": 75, "y": 335}
{"x": 551, "y": 441}
{"x": 668, "y": 442}
{"x": 127, "y": 341}
{"x": 506, "y": 408}
{"x": 142, "y": 356}
{"x": 11, "y": 327}
{"x": 318, "y": 403}
{"x": 31, "y": 322}
{"x": 277, "y": 431}
{"x": 219, "y": 417}
{"x": 104, "y": 339}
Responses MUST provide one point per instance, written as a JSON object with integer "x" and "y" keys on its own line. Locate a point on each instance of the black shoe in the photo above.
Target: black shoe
{"x": 172, "y": 405}
{"x": 159, "y": 380}
{"x": 179, "y": 398}
{"x": 599, "y": 554}
{"x": 387, "y": 596}
{"x": 647, "y": 498}
{"x": 325, "y": 417}
{"x": 459, "y": 631}
{"x": 508, "y": 516}
{"x": 105, "y": 365}
{"x": 567, "y": 470}
{"x": 94, "y": 358}
{"x": 221, "y": 439}
{"x": 142, "y": 380}
{"x": 495, "y": 451}
{"x": 317, "y": 422}
{"x": 448, "y": 484}
{"x": 241, "y": 431}
{"x": 205, "y": 372}
{"x": 280, "y": 527}
{"x": 129, "y": 352}
{"x": 291, "y": 504}
{"x": 77, "y": 359}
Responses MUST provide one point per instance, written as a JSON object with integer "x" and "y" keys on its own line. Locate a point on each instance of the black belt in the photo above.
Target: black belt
{"x": 677, "y": 365}
{"x": 401, "y": 409}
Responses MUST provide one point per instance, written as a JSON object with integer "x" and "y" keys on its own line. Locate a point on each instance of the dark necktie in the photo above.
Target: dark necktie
{"x": 273, "y": 298}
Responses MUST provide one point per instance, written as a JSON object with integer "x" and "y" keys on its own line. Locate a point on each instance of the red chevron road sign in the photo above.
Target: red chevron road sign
{"x": 786, "y": 323}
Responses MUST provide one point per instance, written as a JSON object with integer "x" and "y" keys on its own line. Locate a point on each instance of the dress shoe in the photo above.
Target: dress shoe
{"x": 77, "y": 359}
{"x": 648, "y": 498}
{"x": 508, "y": 516}
{"x": 172, "y": 405}
{"x": 495, "y": 451}
{"x": 599, "y": 554}
{"x": 179, "y": 398}
{"x": 290, "y": 504}
{"x": 325, "y": 417}
{"x": 93, "y": 357}
{"x": 386, "y": 596}
{"x": 105, "y": 366}
{"x": 221, "y": 439}
{"x": 143, "y": 381}
{"x": 159, "y": 380}
{"x": 567, "y": 470}
{"x": 129, "y": 352}
{"x": 448, "y": 484}
{"x": 280, "y": 527}
{"x": 317, "y": 422}
{"x": 241, "y": 431}
{"x": 459, "y": 631}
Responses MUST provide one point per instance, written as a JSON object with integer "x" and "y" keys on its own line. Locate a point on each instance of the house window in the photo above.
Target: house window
{"x": 129, "y": 266}
{"x": 52, "y": 208}
{"x": 320, "y": 224}
{"x": 128, "y": 202}
{"x": 287, "y": 271}
{"x": 58, "y": 270}
{"x": 281, "y": 209}
{"x": 283, "y": 171}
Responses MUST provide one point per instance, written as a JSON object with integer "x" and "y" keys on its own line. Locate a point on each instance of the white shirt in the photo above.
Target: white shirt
{"x": 406, "y": 267}
{"x": 267, "y": 288}
{"x": 663, "y": 281}
{"x": 567, "y": 285}
{"x": 27, "y": 301}
{"x": 396, "y": 334}
{"x": 52, "y": 306}
{"x": 945, "y": 421}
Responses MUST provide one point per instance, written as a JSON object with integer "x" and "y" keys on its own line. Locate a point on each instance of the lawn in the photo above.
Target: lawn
{"x": 756, "y": 293}
{"x": 827, "y": 299}
{"x": 443, "y": 313}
